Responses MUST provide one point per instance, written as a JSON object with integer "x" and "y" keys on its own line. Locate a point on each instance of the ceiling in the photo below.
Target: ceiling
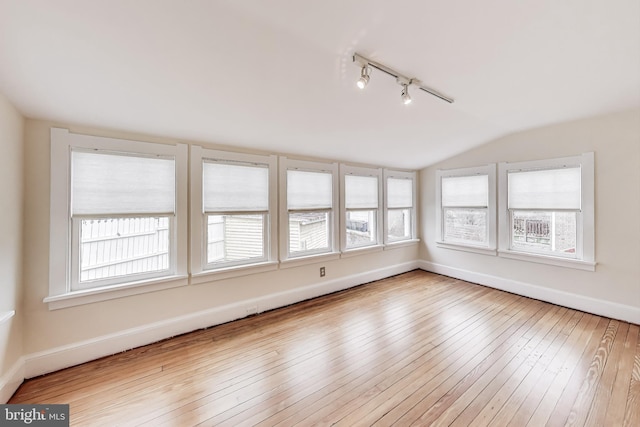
{"x": 278, "y": 75}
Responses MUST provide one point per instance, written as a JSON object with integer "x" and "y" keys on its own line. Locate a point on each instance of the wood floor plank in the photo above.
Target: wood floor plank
{"x": 632, "y": 410}
{"x": 424, "y": 313}
{"x": 207, "y": 401}
{"x": 617, "y": 399}
{"x": 403, "y": 394}
{"x": 555, "y": 380}
{"x": 237, "y": 380}
{"x": 241, "y": 332}
{"x": 566, "y": 401}
{"x": 586, "y": 394}
{"x": 422, "y": 414}
{"x": 500, "y": 387}
{"x": 518, "y": 403}
{"x": 450, "y": 341}
{"x": 513, "y": 393}
{"x": 597, "y": 411}
{"x": 345, "y": 374}
{"x": 443, "y": 338}
{"x": 485, "y": 386}
{"x": 414, "y": 349}
{"x": 544, "y": 379}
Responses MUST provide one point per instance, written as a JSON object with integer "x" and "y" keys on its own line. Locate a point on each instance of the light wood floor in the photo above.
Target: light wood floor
{"x": 415, "y": 349}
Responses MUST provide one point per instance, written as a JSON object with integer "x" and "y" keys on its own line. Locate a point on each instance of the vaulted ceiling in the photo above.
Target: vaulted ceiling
{"x": 278, "y": 75}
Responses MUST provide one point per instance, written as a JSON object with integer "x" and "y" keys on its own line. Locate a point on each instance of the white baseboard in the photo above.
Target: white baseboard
{"x": 11, "y": 380}
{"x": 565, "y": 299}
{"x": 69, "y": 355}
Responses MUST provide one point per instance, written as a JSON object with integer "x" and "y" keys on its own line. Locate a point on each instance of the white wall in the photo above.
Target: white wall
{"x": 11, "y": 197}
{"x": 59, "y": 338}
{"x": 63, "y": 337}
{"x": 614, "y": 288}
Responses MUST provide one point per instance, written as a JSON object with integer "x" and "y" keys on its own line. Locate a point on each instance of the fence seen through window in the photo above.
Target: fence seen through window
{"x": 113, "y": 247}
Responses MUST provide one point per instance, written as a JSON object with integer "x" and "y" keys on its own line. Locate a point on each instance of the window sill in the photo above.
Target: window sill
{"x": 401, "y": 244}
{"x": 467, "y": 248}
{"x": 542, "y": 259}
{"x": 230, "y": 272}
{"x": 361, "y": 251}
{"x": 6, "y": 315}
{"x": 105, "y": 293}
{"x": 310, "y": 259}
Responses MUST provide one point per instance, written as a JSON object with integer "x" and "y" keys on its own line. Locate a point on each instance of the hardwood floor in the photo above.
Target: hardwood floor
{"x": 415, "y": 349}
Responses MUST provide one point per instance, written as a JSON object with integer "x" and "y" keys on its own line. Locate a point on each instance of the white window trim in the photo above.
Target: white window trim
{"x": 60, "y": 294}
{"x": 208, "y": 276}
{"x": 368, "y": 172}
{"x": 6, "y": 315}
{"x": 198, "y": 254}
{"x": 401, "y": 243}
{"x": 388, "y": 173}
{"x": 586, "y": 222}
{"x": 286, "y": 164}
{"x": 309, "y": 259}
{"x": 491, "y": 246}
{"x": 87, "y": 296}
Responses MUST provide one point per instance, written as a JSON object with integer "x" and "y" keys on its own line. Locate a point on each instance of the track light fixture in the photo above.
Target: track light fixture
{"x": 364, "y": 77}
{"x": 406, "y": 98}
{"x": 405, "y": 82}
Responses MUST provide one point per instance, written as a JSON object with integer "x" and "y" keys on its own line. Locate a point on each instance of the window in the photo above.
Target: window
{"x": 466, "y": 213}
{"x": 308, "y": 199}
{"x": 400, "y": 212}
{"x": 117, "y": 214}
{"x": 232, "y": 209}
{"x": 547, "y": 213}
{"x": 361, "y": 216}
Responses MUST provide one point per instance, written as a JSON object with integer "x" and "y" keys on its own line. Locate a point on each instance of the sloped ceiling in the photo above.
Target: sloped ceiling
{"x": 278, "y": 75}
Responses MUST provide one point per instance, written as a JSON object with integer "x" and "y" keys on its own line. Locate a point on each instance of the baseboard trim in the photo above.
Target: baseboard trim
{"x": 80, "y": 352}
{"x": 11, "y": 380}
{"x": 565, "y": 299}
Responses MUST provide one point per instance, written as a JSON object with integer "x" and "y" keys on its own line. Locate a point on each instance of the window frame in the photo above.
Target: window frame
{"x": 366, "y": 172}
{"x": 286, "y": 258}
{"x": 62, "y": 238}
{"x": 200, "y": 270}
{"x": 585, "y": 219}
{"x": 490, "y": 248}
{"x": 398, "y": 174}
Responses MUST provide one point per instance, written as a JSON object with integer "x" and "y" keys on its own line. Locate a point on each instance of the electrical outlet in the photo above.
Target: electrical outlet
{"x": 322, "y": 271}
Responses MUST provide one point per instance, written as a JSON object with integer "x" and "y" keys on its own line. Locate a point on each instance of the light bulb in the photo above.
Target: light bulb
{"x": 364, "y": 78}
{"x": 406, "y": 99}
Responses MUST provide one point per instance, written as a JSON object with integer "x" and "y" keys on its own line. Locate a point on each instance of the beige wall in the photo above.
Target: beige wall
{"x": 615, "y": 140}
{"x": 49, "y": 329}
{"x": 11, "y": 197}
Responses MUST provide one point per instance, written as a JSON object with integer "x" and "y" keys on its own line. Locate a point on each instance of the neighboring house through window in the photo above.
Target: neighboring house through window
{"x": 233, "y": 206}
{"x": 309, "y": 194}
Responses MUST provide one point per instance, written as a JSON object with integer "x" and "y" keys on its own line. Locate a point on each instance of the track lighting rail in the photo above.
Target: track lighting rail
{"x": 404, "y": 80}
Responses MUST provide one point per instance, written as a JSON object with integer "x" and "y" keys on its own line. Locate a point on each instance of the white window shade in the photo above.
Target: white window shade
{"x": 309, "y": 190}
{"x": 122, "y": 184}
{"x": 361, "y": 192}
{"x": 228, "y": 187}
{"x": 545, "y": 189}
{"x": 465, "y": 191}
{"x": 399, "y": 193}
